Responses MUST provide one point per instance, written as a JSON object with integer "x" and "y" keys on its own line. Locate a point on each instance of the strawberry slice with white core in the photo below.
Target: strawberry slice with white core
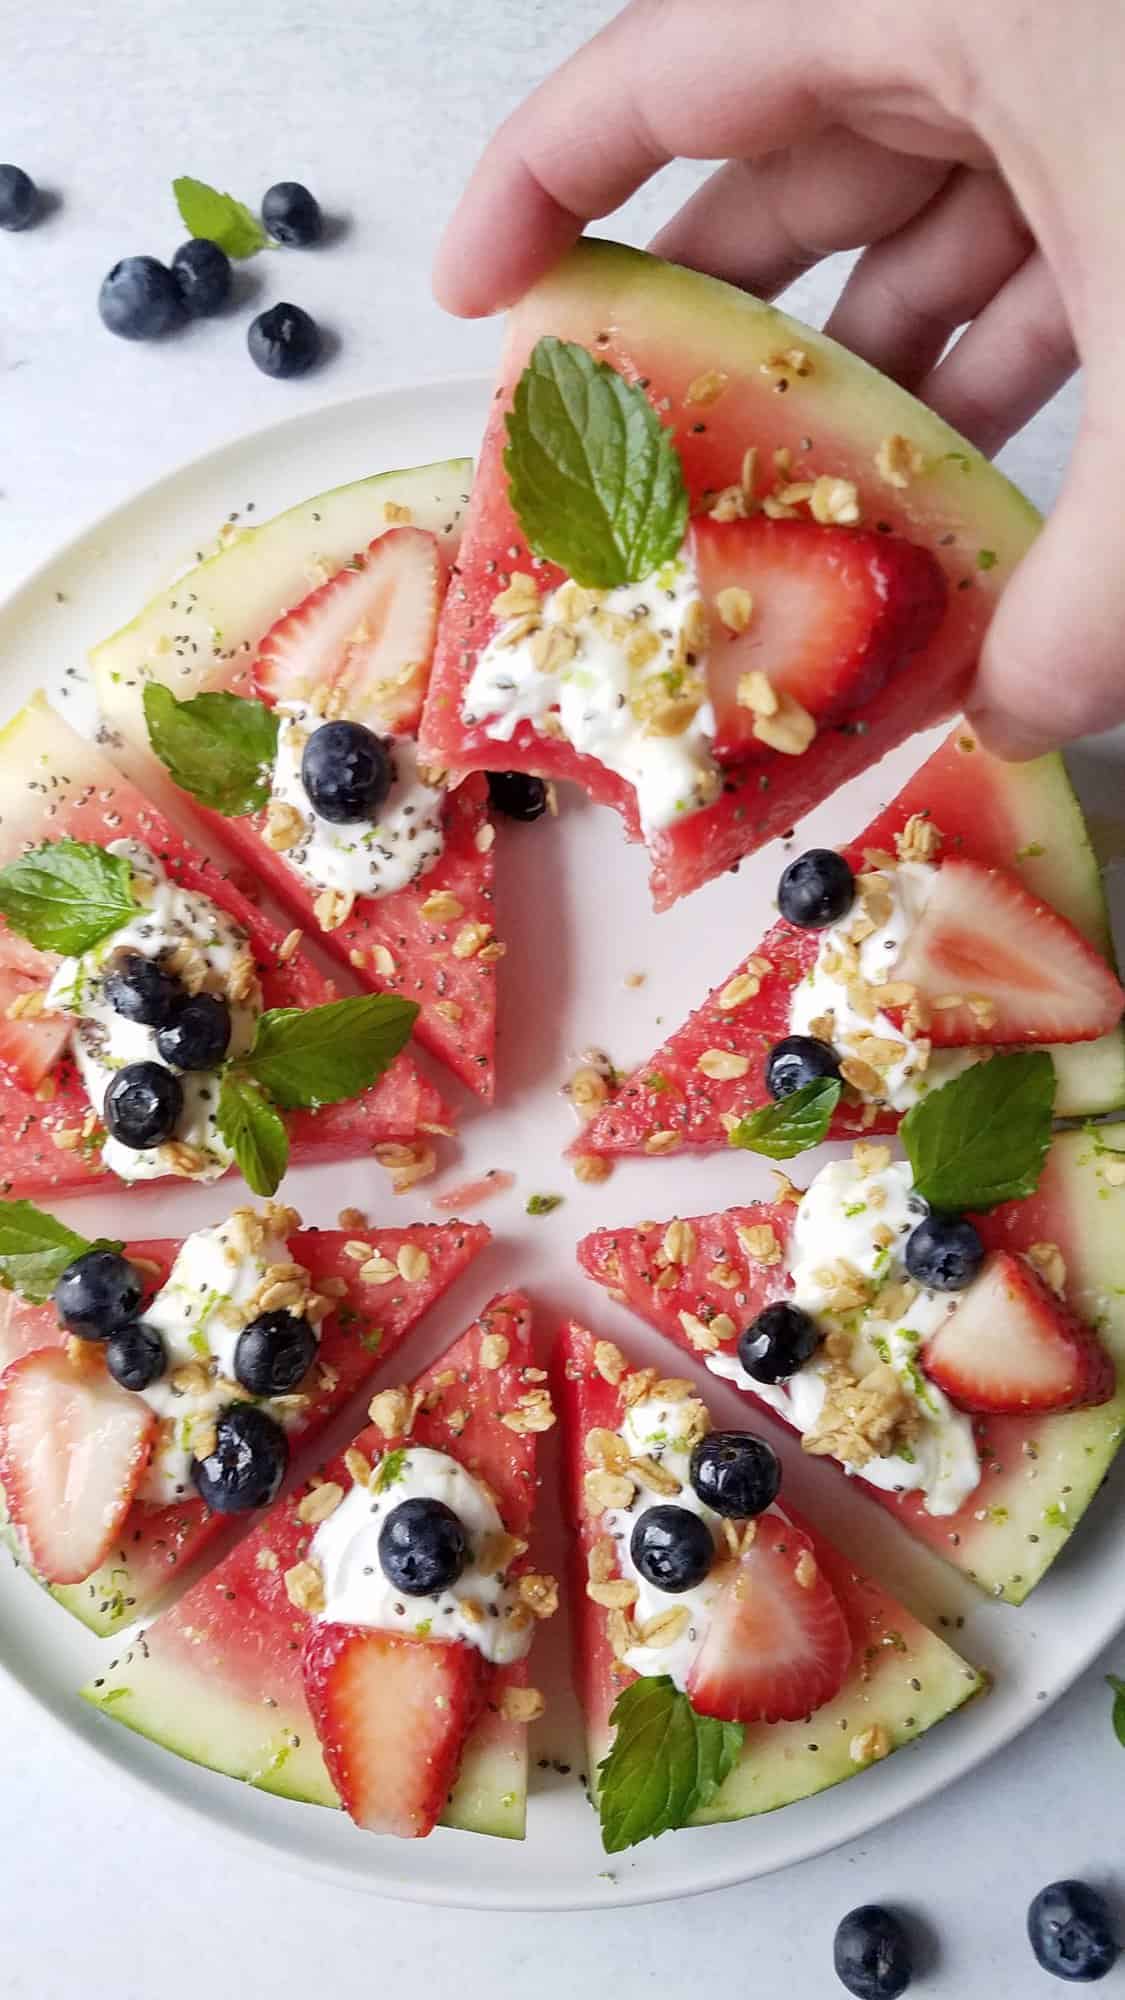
{"x": 392, "y": 1713}
{"x": 778, "y": 1644}
{"x": 30, "y": 1043}
{"x": 367, "y": 633}
{"x": 997, "y": 965}
{"x": 1012, "y": 1345}
{"x": 832, "y": 613}
{"x": 73, "y": 1447}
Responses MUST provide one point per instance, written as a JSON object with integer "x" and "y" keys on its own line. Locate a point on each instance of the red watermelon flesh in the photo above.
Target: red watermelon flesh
{"x": 1023, "y": 818}
{"x": 158, "y": 1542}
{"x": 79, "y": 794}
{"x": 219, "y": 1676}
{"x": 713, "y": 362}
{"x": 892, "y": 1651}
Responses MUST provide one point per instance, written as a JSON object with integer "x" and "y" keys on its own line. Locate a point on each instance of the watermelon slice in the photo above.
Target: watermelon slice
{"x": 75, "y": 791}
{"x": 1023, "y": 818}
{"x": 219, "y": 1679}
{"x": 241, "y": 598}
{"x": 156, "y": 1543}
{"x": 902, "y": 1679}
{"x": 1039, "y": 1472}
{"x": 727, "y": 373}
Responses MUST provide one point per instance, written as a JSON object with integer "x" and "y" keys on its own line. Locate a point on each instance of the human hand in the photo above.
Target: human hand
{"x": 975, "y": 150}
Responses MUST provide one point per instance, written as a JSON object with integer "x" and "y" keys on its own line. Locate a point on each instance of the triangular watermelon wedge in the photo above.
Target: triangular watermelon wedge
{"x": 391, "y": 943}
{"x": 374, "y": 1314}
{"x": 1022, "y": 818}
{"x": 727, "y": 376}
{"x": 219, "y": 1678}
{"x": 902, "y": 1679}
{"x": 50, "y": 1139}
{"x": 1039, "y": 1473}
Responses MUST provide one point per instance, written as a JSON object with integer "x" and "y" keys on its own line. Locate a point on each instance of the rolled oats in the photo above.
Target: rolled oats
{"x": 413, "y": 1264}
{"x": 609, "y": 1362}
{"x": 722, "y": 1065}
{"x": 319, "y": 1503}
{"x": 284, "y": 827}
{"x": 304, "y": 1587}
{"x": 493, "y": 1350}
{"x": 441, "y": 907}
{"x": 390, "y": 1412}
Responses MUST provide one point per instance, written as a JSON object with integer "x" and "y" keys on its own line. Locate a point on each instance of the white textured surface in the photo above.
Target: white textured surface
{"x": 381, "y": 110}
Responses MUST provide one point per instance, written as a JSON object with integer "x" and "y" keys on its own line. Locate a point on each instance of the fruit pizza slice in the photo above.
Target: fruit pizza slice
{"x": 713, "y": 565}
{"x": 366, "y": 1645}
{"x": 728, "y": 1659}
{"x": 151, "y": 1390}
{"x": 276, "y": 692}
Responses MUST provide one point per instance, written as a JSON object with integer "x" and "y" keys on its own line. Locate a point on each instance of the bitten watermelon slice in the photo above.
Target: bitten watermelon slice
{"x": 727, "y": 374}
{"x": 156, "y": 1543}
{"x": 1020, "y": 817}
{"x": 1039, "y": 1473}
{"x": 53, "y": 784}
{"x": 229, "y": 604}
{"x": 219, "y": 1678}
{"x": 902, "y": 1680}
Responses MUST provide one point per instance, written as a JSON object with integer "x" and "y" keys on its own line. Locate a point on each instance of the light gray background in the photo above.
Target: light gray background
{"x": 381, "y": 109}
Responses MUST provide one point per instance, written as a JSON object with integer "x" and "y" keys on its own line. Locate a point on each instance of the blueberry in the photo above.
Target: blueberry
{"x": 140, "y": 299}
{"x": 871, "y": 1954}
{"x": 817, "y": 888}
{"x": 135, "y": 1356}
{"x": 672, "y": 1548}
{"x": 1070, "y": 1931}
{"x": 423, "y": 1547}
{"x": 203, "y": 275}
{"x": 274, "y": 1353}
{"x": 517, "y": 795}
{"x": 142, "y": 1105}
{"x": 346, "y": 771}
{"x": 248, "y": 1463}
{"x": 198, "y": 1034}
{"x": 944, "y": 1252}
{"x": 17, "y": 198}
{"x": 283, "y": 341}
{"x": 101, "y": 1290}
{"x": 139, "y": 990}
{"x": 735, "y": 1473}
{"x": 291, "y": 214}
{"x": 778, "y": 1342}
{"x": 796, "y": 1060}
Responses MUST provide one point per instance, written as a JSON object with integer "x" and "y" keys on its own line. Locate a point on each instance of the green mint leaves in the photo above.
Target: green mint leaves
{"x": 792, "y": 1124}
{"x": 593, "y": 475}
{"x": 225, "y": 221}
{"x": 1118, "y": 1717}
{"x": 254, "y": 1131}
{"x": 219, "y": 747}
{"x": 666, "y": 1763}
{"x": 982, "y": 1138}
{"x": 35, "y": 1250}
{"x": 67, "y": 895}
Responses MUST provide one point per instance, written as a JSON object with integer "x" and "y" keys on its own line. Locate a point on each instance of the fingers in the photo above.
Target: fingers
{"x": 760, "y": 224}
{"x": 908, "y": 293}
{"x": 1008, "y": 363}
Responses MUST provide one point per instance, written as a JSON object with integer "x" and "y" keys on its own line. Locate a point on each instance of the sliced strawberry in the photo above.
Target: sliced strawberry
{"x": 392, "y": 1713}
{"x": 1013, "y": 1345}
{"x": 834, "y": 612}
{"x": 369, "y": 632}
{"x": 30, "y": 1045}
{"x": 73, "y": 1447}
{"x": 1020, "y": 972}
{"x": 778, "y": 1644}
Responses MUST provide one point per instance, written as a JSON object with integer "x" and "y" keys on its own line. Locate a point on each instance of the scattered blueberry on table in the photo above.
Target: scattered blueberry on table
{"x": 140, "y": 299}
{"x": 871, "y": 1953}
{"x": 202, "y": 272}
{"x": 18, "y": 197}
{"x": 284, "y": 341}
{"x": 1069, "y": 1928}
{"x": 291, "y": 214}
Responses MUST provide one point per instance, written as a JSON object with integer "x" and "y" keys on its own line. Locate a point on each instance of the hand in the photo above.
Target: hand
{"x": 975, "y": 148}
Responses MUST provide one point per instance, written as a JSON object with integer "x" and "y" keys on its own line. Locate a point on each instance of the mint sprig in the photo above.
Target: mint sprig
{"x": 1118, "y": 1717}
{"x": 792, "y": 1124}
{"x": 219, "y": 217}
{"x": 35, "y": 1250}
{"x": 983, "y": 1137}
{"x": 309, "y": 1056}
{"x": 67, "y": 895}
{"x": 254, "y": 1131}
{"x": 593, "y": 475}
{"x": 219, "y": 747}
{"x": 665, "y": 1764}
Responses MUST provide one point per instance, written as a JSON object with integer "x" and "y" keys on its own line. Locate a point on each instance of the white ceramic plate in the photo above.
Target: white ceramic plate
{"x": 572, "y": 900}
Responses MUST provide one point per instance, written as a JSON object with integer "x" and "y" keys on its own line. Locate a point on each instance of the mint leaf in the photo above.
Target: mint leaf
{"x": 321, "y": 1055}
{"x": 391, "y": 1469}
{"x": 592, "y": 473}
{"x": 225, "y": 221}
{"x": 254, "y": 1131}
{"x": 792, "y": 1124}
{"x": 982, "y": 1138}
{"x": 218, "y": 747}
{"x": 1118, "y": 1687}
{"x": 67, "y": 895}
{"x": 666, "y": 1762}
{"x": 35, "y": 1250}
{"x": 543, "y": 1204}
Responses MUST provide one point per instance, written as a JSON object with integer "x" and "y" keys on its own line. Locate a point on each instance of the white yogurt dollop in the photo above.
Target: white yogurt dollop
{"x": 369, "y": 859}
